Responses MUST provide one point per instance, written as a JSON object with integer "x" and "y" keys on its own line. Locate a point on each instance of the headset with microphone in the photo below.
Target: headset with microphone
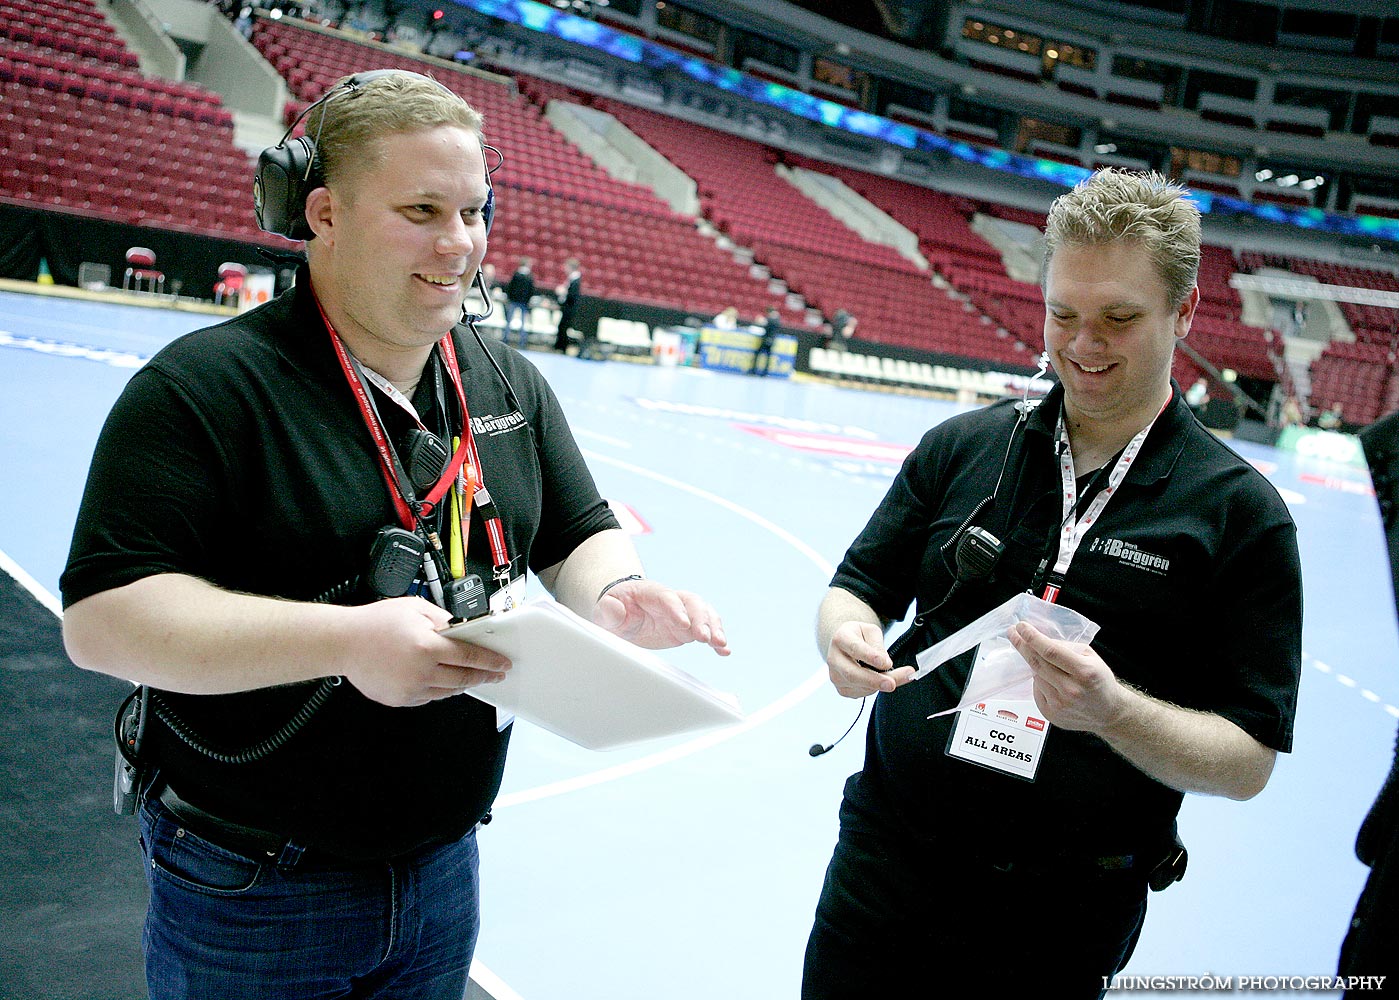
{"x": 975, "y": 551}
{"x": 291, "y": 170}
{"x": 286, "y": 174}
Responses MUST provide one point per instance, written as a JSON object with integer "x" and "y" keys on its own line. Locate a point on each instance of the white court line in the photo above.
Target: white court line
{"x": 770, "y": 711}
{"x": 1351, "y": 683}
{"x": 495, "y": 987}
{"x": 765, "y": 714}
{"x": 606, "y": 439}
{"x": 67, "y": 349}
{"x": 30, "y": 584}
{"x": 726, "y": 503}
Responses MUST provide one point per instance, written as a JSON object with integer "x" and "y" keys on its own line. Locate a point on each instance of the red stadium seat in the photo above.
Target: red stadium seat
{"x": 141, "y": 270}
{"x": 232, "y": 276}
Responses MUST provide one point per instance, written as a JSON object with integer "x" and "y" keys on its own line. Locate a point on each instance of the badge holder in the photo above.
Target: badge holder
{"x": 999, "y": 725}
{"x": 506, "y": 598}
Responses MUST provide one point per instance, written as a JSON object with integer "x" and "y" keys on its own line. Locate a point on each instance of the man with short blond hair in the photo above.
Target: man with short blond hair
{"x": 274, "y": 532}
{"x": 1143, "y": 209}
{"x": 1018, "y": 835}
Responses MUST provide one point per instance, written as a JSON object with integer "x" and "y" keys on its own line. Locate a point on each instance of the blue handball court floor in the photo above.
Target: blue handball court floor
{"x": 688, "y": 868}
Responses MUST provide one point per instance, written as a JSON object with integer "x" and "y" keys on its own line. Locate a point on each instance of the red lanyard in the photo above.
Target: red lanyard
{"x": 465, "y": 452}
{"x": 407, "y": 513}
{"x": 490, "y": 516}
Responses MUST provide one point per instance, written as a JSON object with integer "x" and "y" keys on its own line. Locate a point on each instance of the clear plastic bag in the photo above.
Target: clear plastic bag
{"x": 999, "y": 671}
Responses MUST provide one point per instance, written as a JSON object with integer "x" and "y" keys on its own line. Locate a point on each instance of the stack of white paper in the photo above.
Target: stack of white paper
{"x": 587, "y": 685}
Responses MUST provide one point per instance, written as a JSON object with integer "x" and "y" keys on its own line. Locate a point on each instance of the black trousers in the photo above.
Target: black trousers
{"x": 763, "y": 351}
{"x": 1369, "y": 948}
{"x": 561, "y": 334}
{"x": 896, "y": 920}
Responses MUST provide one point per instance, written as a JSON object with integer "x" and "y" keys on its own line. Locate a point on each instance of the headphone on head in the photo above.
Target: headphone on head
{"x": 290, "y": 170}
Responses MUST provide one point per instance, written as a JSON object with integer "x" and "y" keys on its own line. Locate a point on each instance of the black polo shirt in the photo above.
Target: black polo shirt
{"x": 238, "y": 456}
{"x": 1191, "y": 572}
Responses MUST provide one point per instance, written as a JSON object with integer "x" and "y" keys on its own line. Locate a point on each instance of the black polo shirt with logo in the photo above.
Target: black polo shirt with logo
{"x": 1191, "y": 572}
{"x": 238, "y": 455}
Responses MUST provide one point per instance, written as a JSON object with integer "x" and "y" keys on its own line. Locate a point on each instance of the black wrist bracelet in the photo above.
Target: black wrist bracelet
{"x": 622, "y": 579}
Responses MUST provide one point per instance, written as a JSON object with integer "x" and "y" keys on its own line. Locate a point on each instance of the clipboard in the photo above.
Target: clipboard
{"x": 583, "y": 683}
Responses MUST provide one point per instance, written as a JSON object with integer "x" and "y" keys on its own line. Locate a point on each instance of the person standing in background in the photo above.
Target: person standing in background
{"x": 568, "y": 294}
{"x": 772, "y": 326}
{"x": 519, "y": 292}
{"x": 842, "y": 329}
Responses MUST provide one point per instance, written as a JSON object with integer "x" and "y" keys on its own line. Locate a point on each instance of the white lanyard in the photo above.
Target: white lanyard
{"x": 1073, "y": 528}
{"x": 388, "y": 389}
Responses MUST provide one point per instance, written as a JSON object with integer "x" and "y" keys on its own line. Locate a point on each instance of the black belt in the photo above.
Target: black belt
{"x": 250, "y": 841}
{"x": 1160, "y": 867}
{"x": 1070, "y": 864}
{"x": 235, "y": 837}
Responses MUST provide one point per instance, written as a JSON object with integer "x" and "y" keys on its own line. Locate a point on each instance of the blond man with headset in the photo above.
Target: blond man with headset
{"x": 282, "y": 512}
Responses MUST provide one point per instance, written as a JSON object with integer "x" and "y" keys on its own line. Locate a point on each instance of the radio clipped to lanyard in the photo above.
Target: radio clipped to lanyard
{"x": 465, "y": 463}
{"x": 1073, "y": 527}
{"x": 408, "y": 507}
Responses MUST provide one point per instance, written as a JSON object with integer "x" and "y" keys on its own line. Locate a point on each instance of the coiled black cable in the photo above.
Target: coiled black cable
{"x": 258, "y": 750}
{"x": 339, "y": 592}
{"x": 186, "y": 734}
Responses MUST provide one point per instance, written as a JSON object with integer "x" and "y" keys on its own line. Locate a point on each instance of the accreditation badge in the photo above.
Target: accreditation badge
{"x": 1006, "y": 735}
{"x": 508, "y": 597}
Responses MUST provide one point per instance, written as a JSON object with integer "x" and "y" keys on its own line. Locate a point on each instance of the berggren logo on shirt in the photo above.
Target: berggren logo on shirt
{"x": 1129, "y": 554}
{"x": 492, "y": 425}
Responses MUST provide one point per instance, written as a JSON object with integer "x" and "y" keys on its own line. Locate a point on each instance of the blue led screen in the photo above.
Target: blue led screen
{"x": 548, "y": 20}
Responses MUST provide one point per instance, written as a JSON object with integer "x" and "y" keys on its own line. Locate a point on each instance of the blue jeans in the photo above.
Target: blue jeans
{"x": 222, "y": 926}
{"x": 514, "y": 311}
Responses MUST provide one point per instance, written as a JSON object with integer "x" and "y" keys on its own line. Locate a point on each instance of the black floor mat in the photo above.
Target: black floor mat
{"x": 72, "y": 897}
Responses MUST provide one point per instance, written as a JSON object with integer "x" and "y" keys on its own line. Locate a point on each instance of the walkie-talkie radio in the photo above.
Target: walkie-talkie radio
{"x": 466, "y": 598}
{"x": 394, "y": 561}
{"x": 130, "y": 734}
